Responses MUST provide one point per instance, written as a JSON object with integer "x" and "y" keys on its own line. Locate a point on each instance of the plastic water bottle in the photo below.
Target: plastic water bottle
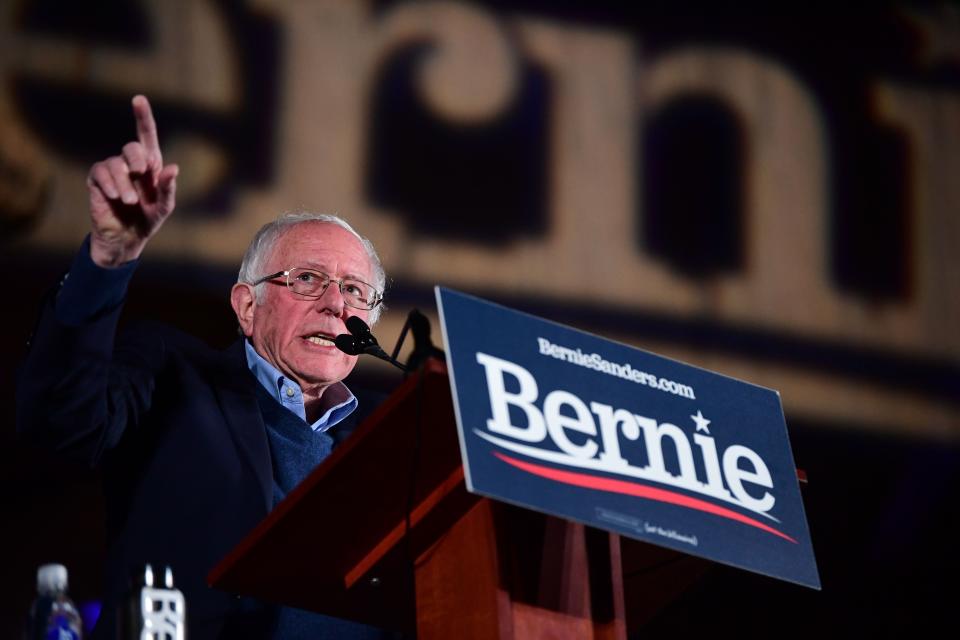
{"x": 53, "y": 615}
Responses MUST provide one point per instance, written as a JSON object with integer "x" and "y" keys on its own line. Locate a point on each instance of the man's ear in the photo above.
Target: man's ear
{"x": 244, "y": 304}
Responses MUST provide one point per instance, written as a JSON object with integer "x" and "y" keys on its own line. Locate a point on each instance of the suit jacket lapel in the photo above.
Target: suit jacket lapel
{"x": 236, "y": 393}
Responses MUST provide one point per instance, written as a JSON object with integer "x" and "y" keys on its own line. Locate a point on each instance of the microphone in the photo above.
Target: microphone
{"x": 348, "y": 344}
{"x": 360, "y": 341}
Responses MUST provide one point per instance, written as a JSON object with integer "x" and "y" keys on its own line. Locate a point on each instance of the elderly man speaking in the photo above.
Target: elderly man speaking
{"x": 198, "y": 445}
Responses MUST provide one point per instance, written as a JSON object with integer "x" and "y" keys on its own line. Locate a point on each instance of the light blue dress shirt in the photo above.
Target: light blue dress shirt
{"x": 289, "y": 395}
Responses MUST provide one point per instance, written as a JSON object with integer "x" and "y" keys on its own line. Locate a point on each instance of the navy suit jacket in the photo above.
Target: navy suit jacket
{"x": 177, "y": 429}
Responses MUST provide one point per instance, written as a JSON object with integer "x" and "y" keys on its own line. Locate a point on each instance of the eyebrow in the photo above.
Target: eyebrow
{"x": 316, "y": 266}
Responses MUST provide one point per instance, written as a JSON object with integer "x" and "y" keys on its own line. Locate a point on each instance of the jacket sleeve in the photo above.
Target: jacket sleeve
{"x": 77, "y": 391}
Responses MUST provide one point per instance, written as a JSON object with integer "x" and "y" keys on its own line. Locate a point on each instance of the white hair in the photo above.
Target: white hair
{"x": 261, "y": 249}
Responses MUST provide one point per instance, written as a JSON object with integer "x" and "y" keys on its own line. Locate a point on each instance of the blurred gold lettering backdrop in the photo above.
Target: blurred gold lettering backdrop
{"x": 771, "y": 194}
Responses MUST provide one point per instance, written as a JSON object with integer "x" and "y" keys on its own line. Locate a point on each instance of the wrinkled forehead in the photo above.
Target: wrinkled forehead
{"x": 323, "y": 246}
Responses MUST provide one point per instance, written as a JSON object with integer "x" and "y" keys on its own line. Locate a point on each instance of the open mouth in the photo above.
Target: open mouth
{"x": 321, "y": 339}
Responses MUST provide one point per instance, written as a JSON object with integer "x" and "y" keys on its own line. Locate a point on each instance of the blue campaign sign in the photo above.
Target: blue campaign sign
{"x": 580, "y": 427}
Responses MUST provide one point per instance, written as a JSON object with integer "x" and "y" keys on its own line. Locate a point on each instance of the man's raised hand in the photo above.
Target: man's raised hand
{"x": 130, "y": 194}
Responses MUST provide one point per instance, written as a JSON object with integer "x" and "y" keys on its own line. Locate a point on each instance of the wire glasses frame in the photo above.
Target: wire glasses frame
{"x": 308, "y": 283}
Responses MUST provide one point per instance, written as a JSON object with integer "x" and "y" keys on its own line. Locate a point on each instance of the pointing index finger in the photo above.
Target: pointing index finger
{"x": 146, "y": 127}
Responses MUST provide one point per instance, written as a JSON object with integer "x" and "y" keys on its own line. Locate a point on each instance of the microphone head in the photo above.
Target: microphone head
{"x": 348, "y": 344}
{"x": 357, "y": 326}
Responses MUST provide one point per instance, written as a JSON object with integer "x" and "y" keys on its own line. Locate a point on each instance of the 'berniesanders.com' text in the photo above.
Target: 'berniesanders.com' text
{"x": 626, "y": 371}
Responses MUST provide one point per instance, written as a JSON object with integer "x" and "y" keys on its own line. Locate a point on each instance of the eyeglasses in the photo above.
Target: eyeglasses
{"x": 313, "y": 284}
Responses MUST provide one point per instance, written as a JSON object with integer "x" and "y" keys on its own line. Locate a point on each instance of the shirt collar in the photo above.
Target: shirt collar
{"x": 288, "y": 393}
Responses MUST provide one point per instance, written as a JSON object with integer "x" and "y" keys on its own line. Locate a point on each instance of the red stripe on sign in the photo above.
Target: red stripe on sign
{"x": 638, "y": 490}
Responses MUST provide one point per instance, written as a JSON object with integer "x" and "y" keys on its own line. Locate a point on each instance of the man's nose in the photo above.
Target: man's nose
{"x": 331, "y": 301}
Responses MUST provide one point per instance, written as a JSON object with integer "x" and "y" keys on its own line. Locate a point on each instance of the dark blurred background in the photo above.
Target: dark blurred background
{"x": 770, "y": 193}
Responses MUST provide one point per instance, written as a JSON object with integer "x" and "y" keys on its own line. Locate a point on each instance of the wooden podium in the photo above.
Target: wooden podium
{"x": 384, "y": 532}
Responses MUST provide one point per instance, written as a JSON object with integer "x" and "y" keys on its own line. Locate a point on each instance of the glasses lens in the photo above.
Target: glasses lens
{"x": 358, "y": 293}
{"x": 307, "y": 283}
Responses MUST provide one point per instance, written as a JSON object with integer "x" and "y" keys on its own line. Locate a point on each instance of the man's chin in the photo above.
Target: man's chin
{"x": 313, "y": 376}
